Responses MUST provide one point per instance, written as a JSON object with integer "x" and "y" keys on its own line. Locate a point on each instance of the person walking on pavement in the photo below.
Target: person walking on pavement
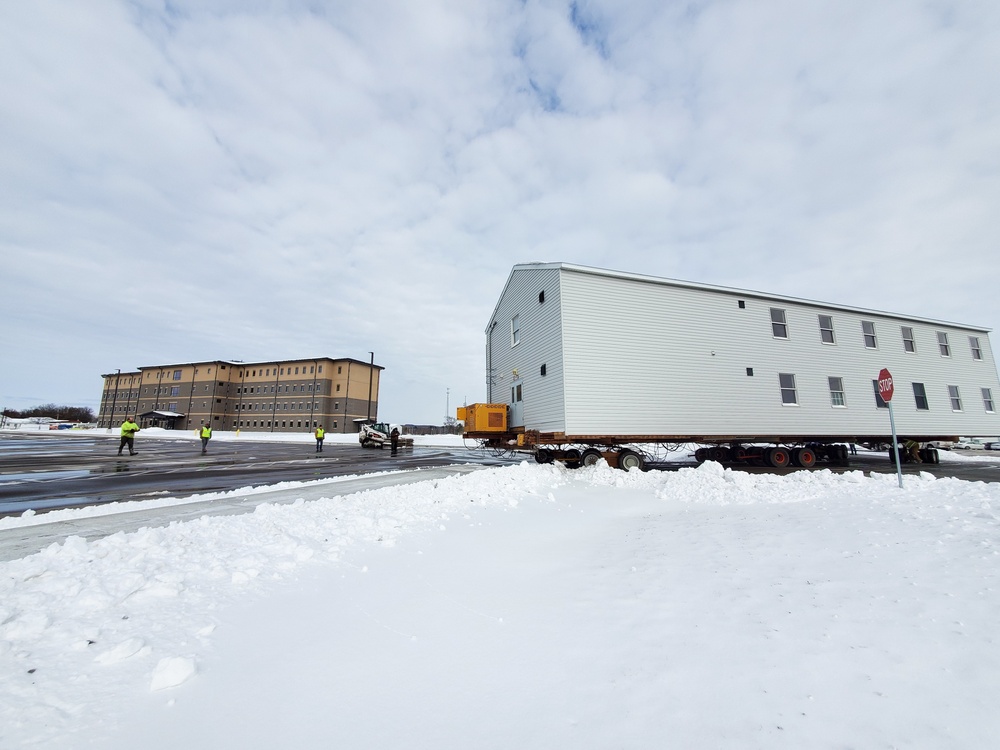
{"x": 320, "y": 434}
{"x": 129, "y": 428}
{"x": 394, "y": 440}
{"x": 206, "y": 435}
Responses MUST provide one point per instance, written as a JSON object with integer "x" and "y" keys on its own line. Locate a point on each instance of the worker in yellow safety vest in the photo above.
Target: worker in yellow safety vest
{"x": 206, "y": 435}
{"x": 320, "y": 434}
{"x": 129, "y": 428}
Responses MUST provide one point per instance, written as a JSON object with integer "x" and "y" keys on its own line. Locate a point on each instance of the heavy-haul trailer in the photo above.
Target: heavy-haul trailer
{"x": 584, "y": 363}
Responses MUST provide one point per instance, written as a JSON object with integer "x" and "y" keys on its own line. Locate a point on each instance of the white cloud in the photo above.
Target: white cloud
{"x": 281, "y": 179}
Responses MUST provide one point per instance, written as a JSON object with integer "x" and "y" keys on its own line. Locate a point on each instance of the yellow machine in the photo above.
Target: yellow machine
{"x": 483, "y": 418}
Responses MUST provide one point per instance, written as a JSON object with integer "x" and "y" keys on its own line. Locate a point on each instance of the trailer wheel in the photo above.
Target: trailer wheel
{"x": 572, "y": 458}
{"x": 720, "y": 453}
{"x": 845, "y": 455}
{"x": 590, "y": 457}
{"x": 543, "y": 456}
{"x": 778, "y": 457}
{"x": 629, "y": 459}
{"x": 805, "y": 458}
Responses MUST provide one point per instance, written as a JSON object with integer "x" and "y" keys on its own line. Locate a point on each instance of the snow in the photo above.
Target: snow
{"x": 524, "y": 606}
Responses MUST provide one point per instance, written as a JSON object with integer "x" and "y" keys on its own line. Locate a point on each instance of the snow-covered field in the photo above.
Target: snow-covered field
{"x": 526, "y": 606}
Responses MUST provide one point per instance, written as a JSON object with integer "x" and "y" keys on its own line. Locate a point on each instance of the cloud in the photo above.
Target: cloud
{"x": 262, "y": 180}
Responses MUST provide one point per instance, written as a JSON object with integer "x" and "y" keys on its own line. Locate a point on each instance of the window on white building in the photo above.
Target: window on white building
{"x": 826, "y": 329}
{"x": 779, "y": 326}
{"x": 977, "y": 352}
{"x": 837, "y": 397}
{"x": 878, "y": 396}
{"x": 909, "y": 345}
{"x": 956, "y": 398}
{"x": 943, "y": 344}
{"x": 786, "y": 381}
{"x": 868, "y": 331}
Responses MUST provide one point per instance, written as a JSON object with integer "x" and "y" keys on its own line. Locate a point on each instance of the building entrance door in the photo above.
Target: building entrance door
{"x": 516, "y": 405}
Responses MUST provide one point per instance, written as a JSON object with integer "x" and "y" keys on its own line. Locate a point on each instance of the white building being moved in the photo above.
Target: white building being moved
{"x": 584, "y": 354}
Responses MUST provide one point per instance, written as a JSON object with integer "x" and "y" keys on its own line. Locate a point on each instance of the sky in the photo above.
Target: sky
{"x": 253, "y": 181}
{"x": 526, "y": 606}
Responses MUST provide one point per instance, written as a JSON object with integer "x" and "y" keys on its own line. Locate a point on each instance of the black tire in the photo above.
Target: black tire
{"x": 629, "y": 459}
{"x": 804, "y": 457}
{"x": 590, "y": 457}
{"x": 543, "y": 456}
{"x": 701, "y": 454}
{"x": 778, "y": 457}
{"x": 572, "y": 458}
{"x": 720, "y": 453}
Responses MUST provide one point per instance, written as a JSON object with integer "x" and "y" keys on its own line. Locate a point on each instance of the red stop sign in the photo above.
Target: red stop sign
{"x": 885, "y": 385}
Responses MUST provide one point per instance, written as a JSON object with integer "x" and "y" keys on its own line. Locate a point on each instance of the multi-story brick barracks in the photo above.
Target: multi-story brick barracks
{"x": 289, "y": 396}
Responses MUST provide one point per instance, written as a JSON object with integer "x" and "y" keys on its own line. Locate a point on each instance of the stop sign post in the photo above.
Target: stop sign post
{"x": 885, "y": 391}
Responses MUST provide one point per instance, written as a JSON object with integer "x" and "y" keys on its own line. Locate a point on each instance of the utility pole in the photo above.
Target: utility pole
{"x": 449, "y": 420}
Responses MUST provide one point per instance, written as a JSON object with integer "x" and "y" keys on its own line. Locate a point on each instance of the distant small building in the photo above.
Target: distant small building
{"x": 279, "y": 396}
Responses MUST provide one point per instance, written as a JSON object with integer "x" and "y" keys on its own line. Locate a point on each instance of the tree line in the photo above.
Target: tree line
{"x": 65, "y": 413}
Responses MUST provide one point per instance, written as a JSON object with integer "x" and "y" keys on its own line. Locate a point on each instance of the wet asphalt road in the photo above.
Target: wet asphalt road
{"x": 44, "y": 471}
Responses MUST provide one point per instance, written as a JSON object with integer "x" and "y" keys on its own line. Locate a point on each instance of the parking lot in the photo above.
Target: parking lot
{"x": 43, "y": 471}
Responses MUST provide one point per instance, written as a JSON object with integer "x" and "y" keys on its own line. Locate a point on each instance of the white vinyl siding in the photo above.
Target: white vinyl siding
{"x": 628, "y": 355}
{"x": 540, "y": 344}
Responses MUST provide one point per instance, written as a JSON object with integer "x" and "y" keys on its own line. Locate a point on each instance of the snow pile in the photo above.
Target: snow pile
{"x": 525, "y": 606}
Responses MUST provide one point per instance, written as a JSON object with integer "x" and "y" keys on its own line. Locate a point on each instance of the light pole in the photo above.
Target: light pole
{"x": 239, "y": 407}
{"x": 118, "y": 374}
{"x": 371, "y": 370}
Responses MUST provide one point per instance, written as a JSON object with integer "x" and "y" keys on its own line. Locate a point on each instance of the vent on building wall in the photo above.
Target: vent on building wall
{"x": 543, "y": 371}
{"x": 750, "y": 372}
{"x": 742, "y": 304}
{"x": 541, "y": 297}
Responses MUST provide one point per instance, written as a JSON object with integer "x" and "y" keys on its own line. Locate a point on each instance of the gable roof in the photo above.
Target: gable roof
{"x": 736, "y": 292}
